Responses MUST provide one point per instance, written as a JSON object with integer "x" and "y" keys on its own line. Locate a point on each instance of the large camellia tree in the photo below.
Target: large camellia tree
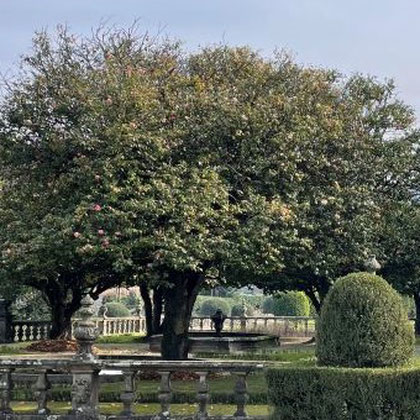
{"x": 125, "y": 159}
{"x": 100, "y": 189}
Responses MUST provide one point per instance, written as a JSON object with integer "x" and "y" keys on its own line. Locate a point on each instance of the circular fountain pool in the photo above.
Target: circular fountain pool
{"x": 226, "y": 342}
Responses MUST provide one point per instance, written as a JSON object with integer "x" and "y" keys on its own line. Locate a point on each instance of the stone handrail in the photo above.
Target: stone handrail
{"x": 86, "y": 386}
{"x": 286, "y": 326}
{"x": 289, "y": 326}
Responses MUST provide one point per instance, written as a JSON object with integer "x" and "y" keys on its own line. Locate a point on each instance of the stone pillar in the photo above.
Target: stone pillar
{"x": 6, "y": 335}
{"x": 85, "y": 391}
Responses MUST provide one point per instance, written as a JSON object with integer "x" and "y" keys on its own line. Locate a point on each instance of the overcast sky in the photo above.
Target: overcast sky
{"x": 378, "y": 37}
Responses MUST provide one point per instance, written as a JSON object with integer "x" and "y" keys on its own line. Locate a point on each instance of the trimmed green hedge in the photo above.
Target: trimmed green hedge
{"x": 211, "y": 305}
{"x": 117, "y": 310}
{"x": 344, "y": 393}
{"x": 363, "y": 323}
{"x": 287, "y": 304}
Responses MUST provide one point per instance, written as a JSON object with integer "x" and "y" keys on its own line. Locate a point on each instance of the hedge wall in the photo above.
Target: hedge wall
{"x": 344, "y": 393}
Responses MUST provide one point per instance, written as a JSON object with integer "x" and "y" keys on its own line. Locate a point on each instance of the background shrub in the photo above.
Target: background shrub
{"x": 343, "y": 393}
{"x": 211, "y": 305}
{"x": 287, "y": 304}
{"x": 29, "y": 305}
{"x": 117, "y": 310}
{"x": 238, "y": 309}
{"x": 410, "y": 306}
{"x": 363, "y": 323}
{"x": 242, "y": 309}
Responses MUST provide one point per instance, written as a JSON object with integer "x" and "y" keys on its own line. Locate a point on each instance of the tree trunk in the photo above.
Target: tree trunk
{"x": 62, "y": 312}
{"x": 314, "y": 299}
{"x": 157, "y": 310}
{"x": 148, "y": 309}
{"x": 179, "y": 302}
{"x": 417, "y": 322}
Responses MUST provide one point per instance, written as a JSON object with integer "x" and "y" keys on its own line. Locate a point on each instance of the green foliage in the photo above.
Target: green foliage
{"x": 363, "y": 323}
{"x": 400, "y": 242}
{"x": 287, "y": 304}
{"x": 409, "y": 305}
{"x": 117, "y": 310}
{"x": 238, "y": 309}
{"x": 211, "y": 305}
{"x": 132, "y": 301}
{"x": 343, "y": 394}
{"x": 252, "y": 302}
{"x": 29, "y": 305}
{"x": 120, "y": 339}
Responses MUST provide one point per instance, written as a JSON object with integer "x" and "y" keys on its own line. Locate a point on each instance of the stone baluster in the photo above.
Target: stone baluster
{"x": 203, "y": 396}
{"x": 232, "y": 324}
{"x": 128, "y": 396}
{"x": 241, "y": 395}
{"x": 16, "y": 331}
{"x": 6, "y": 386}
{"x": 243, "y": 324}
{"x": 24, "y": 331}
{"x": 201, "y": 324}
{"x": 38, "y": 332}
{"x": 165, "y": 396}
{"x": 31, "y": 333}
{"x": 41, "y": 391}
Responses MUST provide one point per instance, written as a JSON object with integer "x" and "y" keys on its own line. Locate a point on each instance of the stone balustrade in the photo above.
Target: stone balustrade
{"x": 282, "y": 326}
{"x": 30, "y": 330}
{"x": 86, "y": 386}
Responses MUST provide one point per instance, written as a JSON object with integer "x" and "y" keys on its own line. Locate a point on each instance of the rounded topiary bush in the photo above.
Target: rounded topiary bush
{"x": 363, "y": 323}
{"x": 238, "y": 310}
{"x": 242, "y": 309}
{"x": 211, "y": 305}
{"x": 287, "y": 304}
{"x": 117, "y": 310}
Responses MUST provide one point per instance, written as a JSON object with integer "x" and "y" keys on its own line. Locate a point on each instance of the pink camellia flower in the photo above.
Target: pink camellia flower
{"x": 101, "y": 232}
{"x": 97, "y": 207}
{"x": 105, "y": 243}
{"x": 97, "y": 177}
{"x": 108, "y": 101}
{"x": 77, "y": 234}
{"x": 172, "y": 117}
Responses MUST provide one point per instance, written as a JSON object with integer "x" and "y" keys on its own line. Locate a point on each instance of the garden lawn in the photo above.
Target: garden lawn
{"x": 115, "y": 408}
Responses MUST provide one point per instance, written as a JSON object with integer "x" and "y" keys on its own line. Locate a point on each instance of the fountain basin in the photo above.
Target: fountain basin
{"x": 226, "y": 343}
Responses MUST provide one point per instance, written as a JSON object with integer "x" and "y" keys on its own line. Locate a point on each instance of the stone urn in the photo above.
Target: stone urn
{"x": 86, "y": 332}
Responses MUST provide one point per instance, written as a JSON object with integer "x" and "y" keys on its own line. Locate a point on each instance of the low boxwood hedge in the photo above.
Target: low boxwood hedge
{"x": 344, "y": 393}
